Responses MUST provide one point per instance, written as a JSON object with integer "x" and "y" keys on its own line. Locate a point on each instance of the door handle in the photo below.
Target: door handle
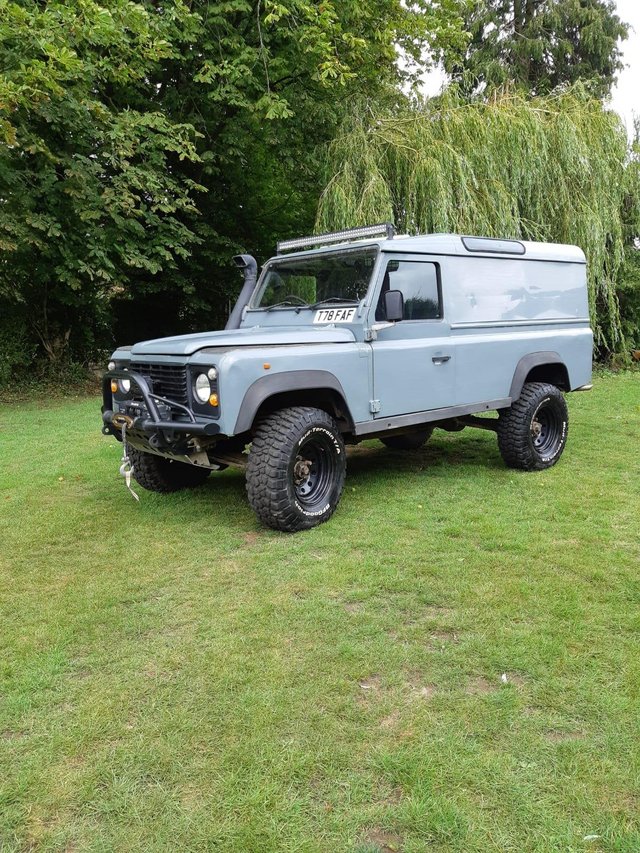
{"x": 440, "y": 359}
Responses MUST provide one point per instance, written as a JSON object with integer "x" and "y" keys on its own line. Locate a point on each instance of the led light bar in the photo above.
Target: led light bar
{"x": 384, "y": 229}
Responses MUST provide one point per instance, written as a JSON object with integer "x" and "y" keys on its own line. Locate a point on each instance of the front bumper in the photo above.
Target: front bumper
{"x": 157, "y": 418}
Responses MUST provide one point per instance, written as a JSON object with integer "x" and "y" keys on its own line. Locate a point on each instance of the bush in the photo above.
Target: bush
{"x": 629, "y": 298}
{"x": 17, "y": 350}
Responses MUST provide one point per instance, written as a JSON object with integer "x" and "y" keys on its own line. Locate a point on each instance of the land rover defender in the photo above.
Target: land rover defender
{"x": 350, "y": 336}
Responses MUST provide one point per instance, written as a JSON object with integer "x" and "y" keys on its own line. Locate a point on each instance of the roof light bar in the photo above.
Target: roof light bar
{"x": 384, "y": 229}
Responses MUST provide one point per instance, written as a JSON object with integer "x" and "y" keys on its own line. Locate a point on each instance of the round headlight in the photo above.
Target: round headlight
{"x": 124, "y": 385}
{"x": 202, "y": 388}
{"x": 112, "y": 365}
{"x": 212, "y": 373}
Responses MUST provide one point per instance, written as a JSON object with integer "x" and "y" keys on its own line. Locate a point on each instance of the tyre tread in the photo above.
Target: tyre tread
{"x": 514, "y": 427}
{"x": 269, "y": 458}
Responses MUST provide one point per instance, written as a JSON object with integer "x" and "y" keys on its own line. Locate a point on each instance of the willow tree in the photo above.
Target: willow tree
{"x": 548, "y": 168}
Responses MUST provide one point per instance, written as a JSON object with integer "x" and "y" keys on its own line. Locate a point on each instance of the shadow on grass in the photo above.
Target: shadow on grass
{"x": 456, "y": 450}
{"x": 368, "y": 465}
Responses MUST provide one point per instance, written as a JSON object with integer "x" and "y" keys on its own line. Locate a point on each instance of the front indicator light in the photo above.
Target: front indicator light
{"x": 114, "y": 386}
{"x": 213, "y": 400}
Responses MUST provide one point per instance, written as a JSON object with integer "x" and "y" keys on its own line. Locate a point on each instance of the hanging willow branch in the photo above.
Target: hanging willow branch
{"x": 550, "y": 169}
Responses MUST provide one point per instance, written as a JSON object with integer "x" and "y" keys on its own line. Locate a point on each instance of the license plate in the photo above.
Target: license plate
{"x": 334, "y": 315}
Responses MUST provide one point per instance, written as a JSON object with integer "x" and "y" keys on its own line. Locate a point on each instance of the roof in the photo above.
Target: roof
{"x": 454, "y": 244}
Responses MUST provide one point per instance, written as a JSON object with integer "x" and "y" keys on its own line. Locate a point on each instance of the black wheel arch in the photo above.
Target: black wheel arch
{"x": 544, "y": 366}
{"x": 316, "y": 388}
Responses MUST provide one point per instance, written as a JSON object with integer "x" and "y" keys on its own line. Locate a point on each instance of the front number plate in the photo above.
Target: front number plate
{"x": 334, "y": 315}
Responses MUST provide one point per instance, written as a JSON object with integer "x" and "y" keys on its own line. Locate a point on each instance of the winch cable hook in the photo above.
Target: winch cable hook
{"x": 126, "y": 468}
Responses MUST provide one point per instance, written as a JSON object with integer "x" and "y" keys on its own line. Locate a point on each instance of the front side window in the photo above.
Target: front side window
{"x": 418, "y": 283}
{"x": 342, "y": 278}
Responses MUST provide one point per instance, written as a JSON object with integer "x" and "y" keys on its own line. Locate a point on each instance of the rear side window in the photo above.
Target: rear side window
{"x": 418, "y": 282}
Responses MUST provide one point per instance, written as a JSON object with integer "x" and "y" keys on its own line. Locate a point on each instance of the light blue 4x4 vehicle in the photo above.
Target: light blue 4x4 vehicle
{"x": 364, "y": 335}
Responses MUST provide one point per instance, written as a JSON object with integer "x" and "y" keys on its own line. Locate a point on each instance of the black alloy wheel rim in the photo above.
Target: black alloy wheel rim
{"x": 546, "y": 429}
{"x": 314, "y": 472}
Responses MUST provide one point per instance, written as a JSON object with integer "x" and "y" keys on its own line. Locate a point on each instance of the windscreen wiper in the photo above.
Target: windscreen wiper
{"x": 333, "y": 300}
{"x": 288, "y": 301}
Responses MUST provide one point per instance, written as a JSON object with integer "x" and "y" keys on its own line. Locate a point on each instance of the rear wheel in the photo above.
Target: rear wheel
{"x": 532, "y": 433}
{"x": 409, "y": 440}
{"x": 296, "y": 468}
{"x": 158, "y": 474}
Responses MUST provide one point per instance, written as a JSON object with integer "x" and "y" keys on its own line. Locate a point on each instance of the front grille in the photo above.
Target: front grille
{"x": 166, "y": 380}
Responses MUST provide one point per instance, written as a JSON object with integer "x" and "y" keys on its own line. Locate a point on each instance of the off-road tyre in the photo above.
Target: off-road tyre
{"x": 532, "y": 433}
{"x": 408, "y": 441}
{"x": 286, "y": 492}
{"x": 158, "y": 474}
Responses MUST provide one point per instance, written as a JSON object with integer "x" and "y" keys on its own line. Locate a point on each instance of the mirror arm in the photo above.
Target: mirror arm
{"x": 371, "y": 333}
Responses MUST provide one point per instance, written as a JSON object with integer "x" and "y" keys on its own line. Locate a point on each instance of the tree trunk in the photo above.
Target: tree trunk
{"x": 54, "y": 340}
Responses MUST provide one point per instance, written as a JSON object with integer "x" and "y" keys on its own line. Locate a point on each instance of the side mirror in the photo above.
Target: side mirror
{"x": 393, "y": 305}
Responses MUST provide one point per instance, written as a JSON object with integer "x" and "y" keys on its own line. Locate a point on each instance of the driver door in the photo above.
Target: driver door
{"x": 413, "y": 360}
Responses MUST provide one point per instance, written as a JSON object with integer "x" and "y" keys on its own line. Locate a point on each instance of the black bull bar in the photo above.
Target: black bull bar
{"x": 153, "y": 423}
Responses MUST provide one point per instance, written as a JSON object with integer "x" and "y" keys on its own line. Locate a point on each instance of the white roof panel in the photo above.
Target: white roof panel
{"x": 452, "y": 244}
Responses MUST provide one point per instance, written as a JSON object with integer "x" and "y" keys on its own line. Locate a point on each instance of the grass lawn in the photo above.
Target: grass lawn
{"x": 175, "y": 678}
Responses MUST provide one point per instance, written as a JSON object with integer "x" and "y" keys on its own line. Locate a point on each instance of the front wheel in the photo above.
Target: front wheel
{"x": 296, "y": 468}
{"x": 532, "y": 433}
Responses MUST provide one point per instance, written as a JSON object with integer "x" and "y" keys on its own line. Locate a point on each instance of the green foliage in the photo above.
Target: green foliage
{"x": 90, "y": 189}
{"x": 143, "y": 145}
{"x": 290, "y": 73}
{"x": 629, "y": 277}
{"x": 629, "y": 296}
{"x": 540, "y": 44}
{"x": 550, "y": 169}
{"x": 16, "y": 349}
{"x": 116, "y": 116}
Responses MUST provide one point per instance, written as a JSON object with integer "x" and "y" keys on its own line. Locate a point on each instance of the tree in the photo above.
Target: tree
{"x": 89, "y": 192}
{"x": 629, "y": 279}
{"x": 289, "y": 74}
{"x": 540, "y": 44}
{"x": 146, "y": 143}
{"x": 548, "y": 168}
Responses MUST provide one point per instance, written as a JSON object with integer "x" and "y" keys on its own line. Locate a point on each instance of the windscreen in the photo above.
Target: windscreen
{"x": 342, "y": 277}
